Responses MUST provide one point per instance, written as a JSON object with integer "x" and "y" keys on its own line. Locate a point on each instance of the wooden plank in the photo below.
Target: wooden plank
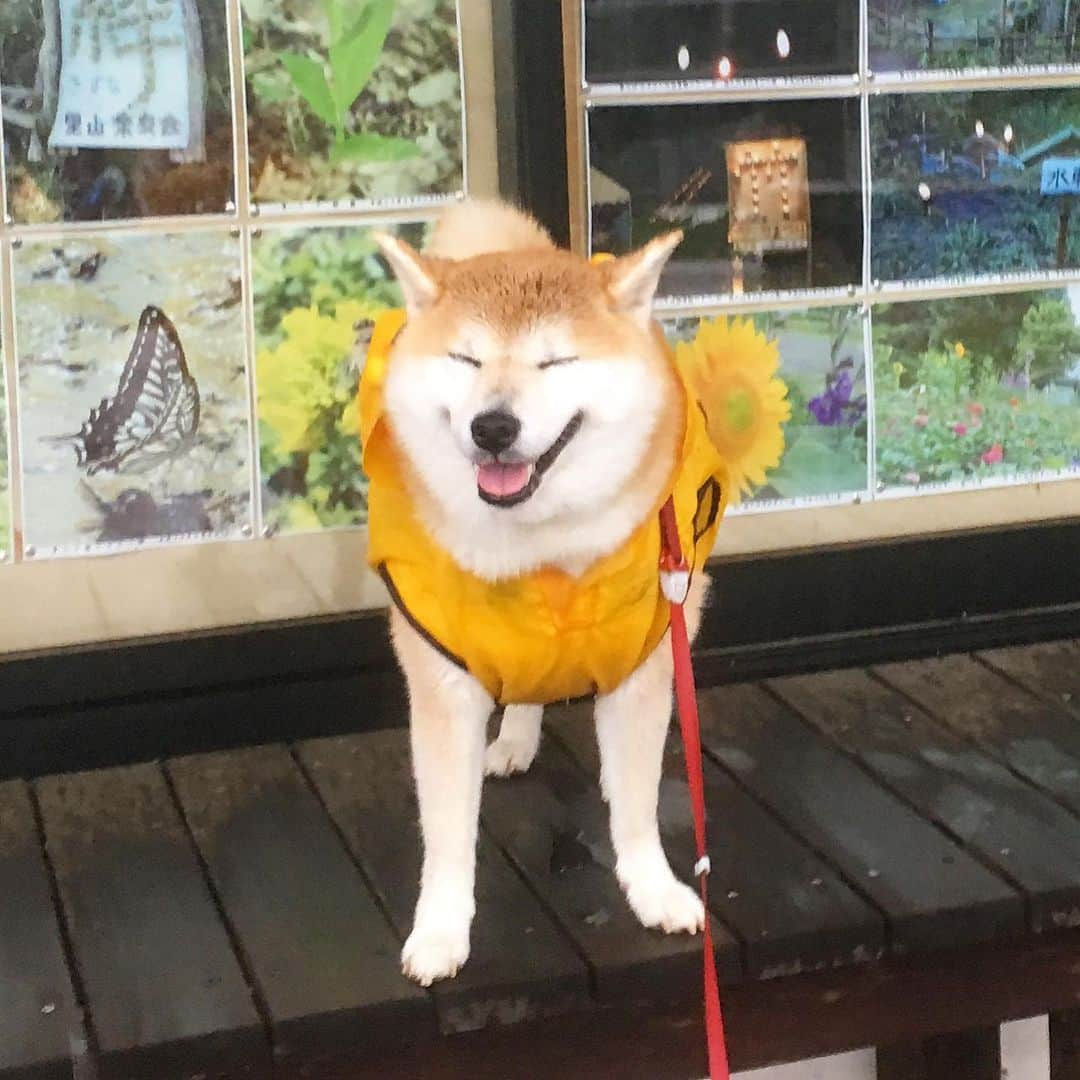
{"x": 933, "y": 893}
{"x": 793, "y": 912}
{"x": 165, "y": 993}
{"x": 768, "y": 1020}
{"x": 1018, "y": 830}
{"x": 323, "y": 956}
{"x": 1038, "y": 740}
{"x": 965, "y": 1055}
{"x": 1050, "y": 670}
{"x": 520, "y": 964}
{"x": 39, "y": 1018}
{"x": 1065, "y": 1045}
{"x": 553, "y": 825}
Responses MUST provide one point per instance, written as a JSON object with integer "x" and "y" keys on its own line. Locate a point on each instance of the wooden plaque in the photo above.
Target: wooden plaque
{"x": 768, "y": 196}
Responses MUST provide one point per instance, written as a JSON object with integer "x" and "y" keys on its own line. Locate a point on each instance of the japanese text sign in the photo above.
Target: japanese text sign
{"x": 1060, "y": 176}
{"x": 124, "y": 75}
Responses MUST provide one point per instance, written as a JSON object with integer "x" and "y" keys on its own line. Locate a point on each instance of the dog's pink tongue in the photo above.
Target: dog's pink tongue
{"x": 502, "y": 481}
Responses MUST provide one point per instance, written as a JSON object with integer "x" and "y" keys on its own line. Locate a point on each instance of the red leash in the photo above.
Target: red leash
{"x": 675, "y": 582}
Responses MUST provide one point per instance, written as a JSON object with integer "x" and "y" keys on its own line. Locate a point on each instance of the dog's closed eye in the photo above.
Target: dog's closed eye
{"x": 461, "y": 358}
{"x": 556, "y": 361}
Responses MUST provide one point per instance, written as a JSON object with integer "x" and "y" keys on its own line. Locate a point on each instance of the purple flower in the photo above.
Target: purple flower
{"x": 1014, "y": 380}
{"x": 835, "y": 407}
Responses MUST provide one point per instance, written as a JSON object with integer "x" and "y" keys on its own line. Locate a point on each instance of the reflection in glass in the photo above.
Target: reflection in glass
{"x": 767, "y": 194}
{"x": 959, "y": 188}
{"x": 913, "y": 35}
{"x": 630, "y": 40}
{"x": 116, "y": 111}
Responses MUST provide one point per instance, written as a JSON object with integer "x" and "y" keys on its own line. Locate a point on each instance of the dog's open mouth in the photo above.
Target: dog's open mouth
{"x": 502, "y": 483}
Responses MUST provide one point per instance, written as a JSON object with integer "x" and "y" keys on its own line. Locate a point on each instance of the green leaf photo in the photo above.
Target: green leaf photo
{"x": 353, "y": 101}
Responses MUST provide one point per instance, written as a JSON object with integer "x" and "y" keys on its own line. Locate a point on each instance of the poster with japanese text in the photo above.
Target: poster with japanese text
{"x": 116, "y": 110}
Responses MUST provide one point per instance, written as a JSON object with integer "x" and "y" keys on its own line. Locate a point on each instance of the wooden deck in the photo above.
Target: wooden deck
{"x": 896, "y": 854}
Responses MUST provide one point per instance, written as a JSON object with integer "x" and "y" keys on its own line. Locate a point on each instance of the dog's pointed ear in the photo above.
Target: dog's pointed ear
{"x": 417, "y": 275}
{"x": 632, "y": 279}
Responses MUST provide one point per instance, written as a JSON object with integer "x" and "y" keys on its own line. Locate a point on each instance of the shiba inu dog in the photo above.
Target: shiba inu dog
{"x": 523, "y": 421}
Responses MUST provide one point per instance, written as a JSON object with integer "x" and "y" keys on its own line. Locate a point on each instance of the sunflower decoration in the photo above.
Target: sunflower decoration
{"x": 731, "y": 368}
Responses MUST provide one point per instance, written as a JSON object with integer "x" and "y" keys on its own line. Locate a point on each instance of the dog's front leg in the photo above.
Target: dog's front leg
{"x": 631, "y": 728}
{"x": 448, "y": 720}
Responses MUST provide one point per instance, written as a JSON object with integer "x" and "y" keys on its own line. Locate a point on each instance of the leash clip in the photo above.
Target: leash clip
{"x": 674, "y": 569}
{"x": 675, "y": 584}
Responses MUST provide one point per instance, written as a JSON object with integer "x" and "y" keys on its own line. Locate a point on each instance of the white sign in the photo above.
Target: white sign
{"x": 1060, "y": 176}
{"x": 123, "y": 76}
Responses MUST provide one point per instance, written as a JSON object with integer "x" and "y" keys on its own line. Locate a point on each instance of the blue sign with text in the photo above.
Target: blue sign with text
{"x": 1060, "y": 176}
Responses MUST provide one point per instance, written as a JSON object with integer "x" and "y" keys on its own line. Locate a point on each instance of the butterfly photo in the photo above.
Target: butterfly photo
{"x": 133, "y": 388}
{"x": 154, "y": 414}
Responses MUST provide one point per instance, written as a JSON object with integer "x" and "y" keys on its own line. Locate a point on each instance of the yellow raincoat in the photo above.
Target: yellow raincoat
{"x": 545, "y": 636}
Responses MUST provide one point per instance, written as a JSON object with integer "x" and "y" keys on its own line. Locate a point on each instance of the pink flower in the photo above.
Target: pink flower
{"x": 959, "y": 429}
{"x": 975, "y": 408}
{"x": 921, "y": 420}
{"x": 994, "y": 455}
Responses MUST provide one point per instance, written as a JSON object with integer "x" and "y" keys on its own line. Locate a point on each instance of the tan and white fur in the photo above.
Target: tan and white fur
{"x": 499, "y": 318}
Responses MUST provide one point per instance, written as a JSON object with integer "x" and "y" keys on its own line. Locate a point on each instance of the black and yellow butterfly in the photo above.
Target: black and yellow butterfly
{"x": 154, "y": 413}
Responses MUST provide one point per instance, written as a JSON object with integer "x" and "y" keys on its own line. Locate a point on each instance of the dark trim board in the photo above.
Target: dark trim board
{"x": 529, "y": 88}
{"x": 789, "y": 613}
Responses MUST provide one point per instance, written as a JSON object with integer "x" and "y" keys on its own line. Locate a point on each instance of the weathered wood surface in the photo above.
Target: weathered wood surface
{"x": 933, "y": 892}
{"x": 164, "y": 991}
{"x": 1038, "y": 739}
{"x": 881, "y": 843}
{"x": 520, "y": 965}
{"x": 1050, "y": 670}
{"x": 322, "y": 955}
{"x": 792, "y": 911}
{"x": 40, "y": 1023}
{"x": 967, "y": 1055}
{"x": 1023, "y": 834}
{"x": 552, "y": 823}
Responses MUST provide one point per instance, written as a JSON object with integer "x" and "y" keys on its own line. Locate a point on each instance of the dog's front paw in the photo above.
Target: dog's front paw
{"x": 435, "y": 952}
{"x": 662, "y": 902}
{"x": 510, "y": 754}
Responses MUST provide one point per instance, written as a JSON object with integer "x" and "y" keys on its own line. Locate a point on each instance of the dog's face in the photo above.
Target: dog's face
{"x": 527, "y": 384}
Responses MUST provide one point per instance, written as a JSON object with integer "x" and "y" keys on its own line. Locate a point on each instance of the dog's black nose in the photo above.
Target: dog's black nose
{"x": 495, "y": 431}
